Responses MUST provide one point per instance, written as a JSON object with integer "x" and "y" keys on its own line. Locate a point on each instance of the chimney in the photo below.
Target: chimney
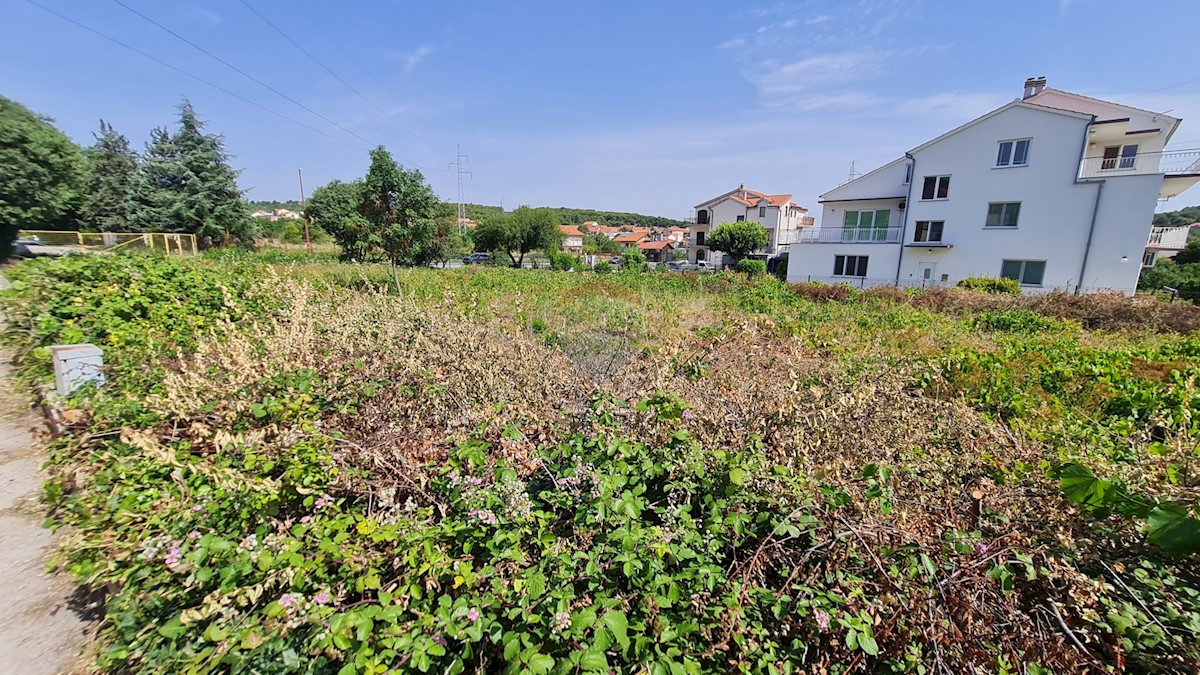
{"x": 1034, "y": 86}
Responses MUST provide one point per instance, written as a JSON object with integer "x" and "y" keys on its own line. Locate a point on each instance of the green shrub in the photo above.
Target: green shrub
{"x": 561, "y": 261}
{"x": 602, "y": 267}
{"x": 633, "y": 260}
{"x": 991, "y": 285}
{"x": 1016, "y": 320}
{"x": 751, "y": 268}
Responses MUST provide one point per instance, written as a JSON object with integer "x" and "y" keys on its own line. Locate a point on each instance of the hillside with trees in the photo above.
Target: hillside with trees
{"x": 1184, "y": 216}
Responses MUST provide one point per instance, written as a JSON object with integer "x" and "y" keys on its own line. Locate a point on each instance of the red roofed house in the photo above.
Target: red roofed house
{"x": 782, "y": 218}
{"x": 572, "y": 238}
{"x": 627, "y": 239}
{"x": 657, "y": 251}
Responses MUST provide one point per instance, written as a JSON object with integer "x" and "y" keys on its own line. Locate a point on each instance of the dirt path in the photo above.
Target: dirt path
{"x": 40, "y": 631}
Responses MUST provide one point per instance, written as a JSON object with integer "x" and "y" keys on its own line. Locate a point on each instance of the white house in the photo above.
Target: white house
{"x": 572, "y": 238}
{"x": 1056, "y": 190}
{"x": 782, "y": 218}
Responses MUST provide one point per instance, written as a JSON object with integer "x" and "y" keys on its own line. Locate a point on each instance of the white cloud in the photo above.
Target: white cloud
{"x": 201, "y": 15}
{"x": 953, "y": 105}
{"x": 733, "y": 43}
{"x": 820, "y": 18}
{"x": 777, "y": 79}
{"x": 412, "y": 60}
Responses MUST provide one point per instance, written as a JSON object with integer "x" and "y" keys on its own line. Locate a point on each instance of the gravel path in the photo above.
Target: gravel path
{"x": 40, "y": 631}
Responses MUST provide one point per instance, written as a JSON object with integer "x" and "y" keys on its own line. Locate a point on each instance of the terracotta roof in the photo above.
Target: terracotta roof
{"x": 630, "y": 237}
{"x": 655, "y": 245}
{"x": 570, "y": 230}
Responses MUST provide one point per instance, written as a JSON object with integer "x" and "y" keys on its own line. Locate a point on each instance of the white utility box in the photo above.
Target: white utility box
{"x": 75, "y": 366}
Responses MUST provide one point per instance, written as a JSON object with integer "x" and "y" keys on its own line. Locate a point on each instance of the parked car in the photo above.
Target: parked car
{"x": 615, "y": 260}
{"x": 476, "y": 258}
{"x": 682, "y": 266}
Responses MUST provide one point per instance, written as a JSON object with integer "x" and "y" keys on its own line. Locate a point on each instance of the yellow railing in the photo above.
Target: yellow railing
{"x": 168, "y": 243}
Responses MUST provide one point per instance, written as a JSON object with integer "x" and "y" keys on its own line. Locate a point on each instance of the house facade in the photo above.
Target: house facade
{"x": 1055, "y": 190}
{"x": 572, "y": 238}
{"x": 782, "y": 218}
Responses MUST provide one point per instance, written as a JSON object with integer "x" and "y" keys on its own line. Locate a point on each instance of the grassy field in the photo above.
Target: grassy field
{"x": 297, "y": 467}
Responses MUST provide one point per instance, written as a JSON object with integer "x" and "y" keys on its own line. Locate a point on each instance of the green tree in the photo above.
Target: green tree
{"x": 157, "y": 186}
{"x": 633, "y": 260}
{"x": 112, "y": 167}
{"x": 334, "y": 208}
{"x": 1189, "y": 255}
{"x": 400, "y": 208}
{"x": 738, "y": 239}
{"x": 41, "y": 174}
{"x": 209, "y": 201}
{"x": 518, "y": 233}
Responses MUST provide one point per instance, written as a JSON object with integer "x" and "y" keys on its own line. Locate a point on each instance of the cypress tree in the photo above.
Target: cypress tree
{"x": 157, "y": 187}
{"x": 210, "y": 202}
{"x": 112, "y": 172}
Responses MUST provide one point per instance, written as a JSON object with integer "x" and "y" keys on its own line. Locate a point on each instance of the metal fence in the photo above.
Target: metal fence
{"x": 90, "y": 242}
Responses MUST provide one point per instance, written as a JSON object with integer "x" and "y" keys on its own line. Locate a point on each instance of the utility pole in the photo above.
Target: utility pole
{"x": 307, "y": 243}
{"x": 457, "y": 167}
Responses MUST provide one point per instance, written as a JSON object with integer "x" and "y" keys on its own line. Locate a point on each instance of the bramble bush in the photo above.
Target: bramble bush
{"x": 424, "y": 482}
{"x": 751, "y": 268}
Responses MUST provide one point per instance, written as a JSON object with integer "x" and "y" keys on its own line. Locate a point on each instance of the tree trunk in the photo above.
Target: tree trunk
{"x": 395, "y": 276}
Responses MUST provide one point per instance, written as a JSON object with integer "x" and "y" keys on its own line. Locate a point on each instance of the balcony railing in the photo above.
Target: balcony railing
{"x": 1176, "y": 161}
{"x": 1168, "y": 237}
{"x": 850, "y": 235}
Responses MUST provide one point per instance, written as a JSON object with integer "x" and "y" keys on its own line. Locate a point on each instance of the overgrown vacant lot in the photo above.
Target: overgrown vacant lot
{"x": 294, "y": 468}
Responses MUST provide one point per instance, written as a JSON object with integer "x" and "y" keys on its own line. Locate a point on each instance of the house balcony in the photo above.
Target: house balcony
{"x": 1180, "y": 168}
{"x": 848, "y": 235}
{"x": 1168, "y": 238}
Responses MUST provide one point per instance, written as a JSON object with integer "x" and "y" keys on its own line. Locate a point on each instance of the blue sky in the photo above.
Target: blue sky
{"x": 635, "y": 106}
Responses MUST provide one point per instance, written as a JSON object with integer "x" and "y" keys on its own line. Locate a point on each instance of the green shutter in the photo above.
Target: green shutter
{"x": 1011, "y": 269}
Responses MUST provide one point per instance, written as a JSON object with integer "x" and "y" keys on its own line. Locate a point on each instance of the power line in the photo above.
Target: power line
{"x": 1155, "y": 91}
{"x": 329, "y": 36}
{"x": 337, "y": 77}
{"x": 242, "y": 72}
{"x": 181, "y": 71}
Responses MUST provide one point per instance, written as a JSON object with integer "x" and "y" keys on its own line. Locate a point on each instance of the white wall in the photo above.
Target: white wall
{"x": 1055, "y": 211}
{"x": 886, "y": 181}
{"x": 814, "y": 262}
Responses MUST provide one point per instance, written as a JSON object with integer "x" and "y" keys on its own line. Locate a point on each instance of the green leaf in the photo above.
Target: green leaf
{"x": 1079, "y": 485}
{"x": 737, "y": 476}
{"x": 618, "y": 623}
{"x": 868, "y": 645}
{"x": 1170, "y": 527}
{"x": 594, "y": 660}
{"x": 541, "y": 663}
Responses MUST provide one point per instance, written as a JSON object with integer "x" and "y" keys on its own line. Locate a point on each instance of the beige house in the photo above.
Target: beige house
{"x": 782, "y": 218}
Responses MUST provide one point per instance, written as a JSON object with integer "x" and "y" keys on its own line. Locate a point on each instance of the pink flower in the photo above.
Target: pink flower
{"x": 981, "y": 549}
{"x": 306, "y": 520}
{"x": 194, "y": 534}
{"x": 562, "y": 621}
{"x": 197, "y": 508}
{"x": 440, "y": 640}
{"x": 173, "y": 556}
{"x": 473, "y": 615}
{"x": 321, "y": 598}
{"x": 287, "y": 601}
{"x": 689, "y": 415}
{"x": 822, "y": 619}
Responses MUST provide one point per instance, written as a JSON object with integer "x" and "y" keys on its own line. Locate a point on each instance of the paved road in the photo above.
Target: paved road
{"x": 40, "y": 633}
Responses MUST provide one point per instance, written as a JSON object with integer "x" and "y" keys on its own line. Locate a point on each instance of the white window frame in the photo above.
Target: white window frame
{"x": 937, "y": 183}
{"x": 1124, "y": 161}
{"x": 1000, "y": 224}
{"x": 941, "y": 230}
{"x": 1021, "y": 274}
{"x": 1012, "y": 153}
{"x": 860, "y": 262}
